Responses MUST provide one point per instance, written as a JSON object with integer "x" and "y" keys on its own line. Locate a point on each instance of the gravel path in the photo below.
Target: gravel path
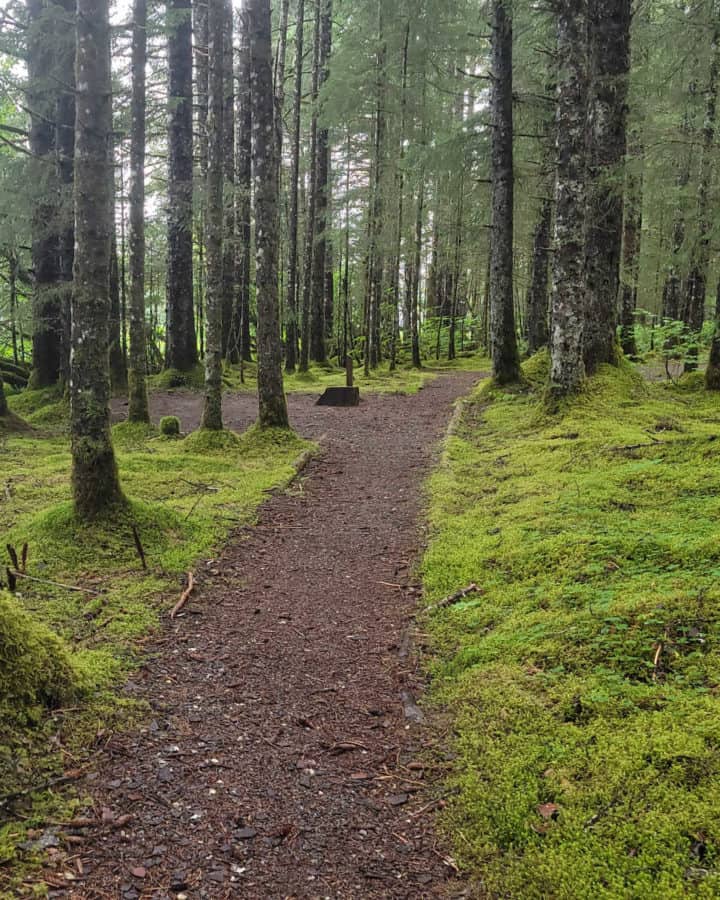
{"x": 279, "y": 761}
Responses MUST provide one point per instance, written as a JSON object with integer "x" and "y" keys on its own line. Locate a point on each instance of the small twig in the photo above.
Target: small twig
{"x": 24, "y": 558}
{"x": 139, "y": 546}
{"x": 67, "y": 587}
{"x": 43, "y": 786}
{"x": 185, "y": 596}
{"x": 451, "y": 599}
{"x": 12, "y": 581}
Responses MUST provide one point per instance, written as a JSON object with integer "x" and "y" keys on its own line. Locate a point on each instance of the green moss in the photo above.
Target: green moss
{"x": 132, "y": 435}
{"x": 170, "y": 379}
{"x": 207, "y": 440}
{"x": 586, "y": 673}
{"x": 170, "y": 426}
{"x": 35, "y": 666}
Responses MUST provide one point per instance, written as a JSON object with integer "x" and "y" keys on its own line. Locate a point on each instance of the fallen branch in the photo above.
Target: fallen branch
{"x": 73, "y": 775}
{"x": 185, "y": 596}
{"x": 58, "y": 584}
{"x": 452, "y": 599}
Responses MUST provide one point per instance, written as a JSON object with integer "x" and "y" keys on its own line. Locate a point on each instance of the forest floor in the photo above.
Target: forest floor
{"x": 281, "y": 759}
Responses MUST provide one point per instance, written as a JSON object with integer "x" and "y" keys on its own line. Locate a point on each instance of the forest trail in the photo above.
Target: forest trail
{"x": 279, "y": 761}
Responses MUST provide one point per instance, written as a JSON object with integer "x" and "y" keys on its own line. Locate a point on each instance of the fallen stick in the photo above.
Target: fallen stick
{"x": 72, "y": 775}
{"x": 451, "y": 599}
{"x": 185, "y": 596}
{"x": 67, "y": 587}
{"x": 138, "y": 546}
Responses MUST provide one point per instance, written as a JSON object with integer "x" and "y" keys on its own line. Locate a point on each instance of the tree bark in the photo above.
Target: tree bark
{"x": 503, "y": 342}
{"x": 181, "y": 340}
{"x": 700, "y": 260}
{"x": 567, "y": 369}
{"x": 243, "y": 191}
{"x": 632, "y": 236}
{"x": 118, "y": 371}
{"x": 230, "y": 344}
{"x": 309, "y": 254}
{"x": 538, "y": 295}
{"x": 609, "y": 54}
{"x": 42, "y": 93}
{"x": 318, "y": 349}
{"x": 96, "y": 487}
{"x": 291, "y": 301}
{"x": 214, "y": 324}
{"x": 272, "y": 403}
{"x": 137, "y": 388}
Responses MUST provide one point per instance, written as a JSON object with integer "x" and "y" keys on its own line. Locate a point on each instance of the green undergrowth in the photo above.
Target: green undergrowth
{"x": 583, "y": 680}
{"x": 80, "y": 643}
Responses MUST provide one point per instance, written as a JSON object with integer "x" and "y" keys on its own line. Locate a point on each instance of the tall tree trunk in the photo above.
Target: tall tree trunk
{"x": 65, "y": 151}
{"x": 200, "y": 42}
{"x": 96, "y": 487}
{"x": 400, "y": 186}
{"x": 230, "y": 346}
{"x": 632, "y": 235}
{"x": 318, "y": 350}
{"x": 291, "y": 302}
{"x": 118, "y": 371}
{"x": 672, "y": 289}
{"x": 567, "y": 369}
{"x": 503, "y": 342}
{"x": 700, "y": 261}
{"x": 42, "y": 92}
{"x": 181, "y": 339}
{"x": 272, "y": 403}
{"x": 243, "y": 191}
{"x": 609, "y": 53}
{"x": 214, "y": 324}
{"x": 308, "y": 265}
{"x": 537, "y": 300}
{"x": 375, "y": 264}
{"x": 712, "y": 373}
{"x": 137, "y": 388}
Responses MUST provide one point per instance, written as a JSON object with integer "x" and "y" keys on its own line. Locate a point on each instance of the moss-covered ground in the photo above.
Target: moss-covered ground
{"x": 583, "y": 682}
{"x": 71, "y": 648}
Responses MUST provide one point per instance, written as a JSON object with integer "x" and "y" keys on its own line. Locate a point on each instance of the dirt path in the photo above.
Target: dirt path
{"x": 279, "y": 762}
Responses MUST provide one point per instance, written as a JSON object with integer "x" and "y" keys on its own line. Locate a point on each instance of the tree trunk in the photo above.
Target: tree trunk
{"x": 632, "y": 235}
{"x": 291, "y": 302}
{"x": 567, "y": 369}
{"x": 243, "y": 191}
{"x": 712, "y": 373}
{"x": 65, "y": 151}
{"x": 272, "y": 403}
{"x": 609, "y": 56}
{"x": 230, "y": 348}
{"x": 318, "y": 350}
{"x": 118, "y": 372}
{"x": 137, "y": 388}
{"x": 537, "y": 301}
{"x": 214, "y": 324}
{"x": 181, "y": 340}
{"x": 309, "y": 255}
{"x": 503, "y": 343}
{"x": 700, "y": 261}
{"x": 96, "y": 487}
{"x": 42, "y": 91}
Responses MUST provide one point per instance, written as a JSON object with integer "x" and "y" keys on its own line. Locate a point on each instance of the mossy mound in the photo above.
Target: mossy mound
{"x": 36, "y": 670}
{"x": 583, "y": 680}
{"x": 257, "y": 441}
{"x": 206, "y": 440}
{"x": 170, "y": 379}
{"x": 170, "y": 426}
